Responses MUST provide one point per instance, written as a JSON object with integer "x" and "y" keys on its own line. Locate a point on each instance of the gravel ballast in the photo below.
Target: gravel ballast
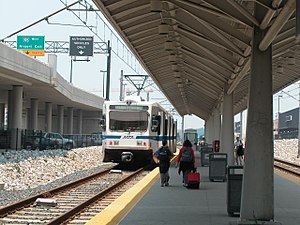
{"x": 24, "y": 173}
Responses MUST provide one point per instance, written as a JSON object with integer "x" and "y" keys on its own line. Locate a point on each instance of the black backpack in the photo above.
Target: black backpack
{"x": 240, "y": 150}
{"x": 164, "y": 154}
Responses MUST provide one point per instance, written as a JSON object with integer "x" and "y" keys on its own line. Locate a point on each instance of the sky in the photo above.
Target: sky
{"x": 16, "y": 14}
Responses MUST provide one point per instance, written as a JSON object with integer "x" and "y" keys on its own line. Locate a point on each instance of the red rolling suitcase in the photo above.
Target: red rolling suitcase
{"x": 193, "y": 180}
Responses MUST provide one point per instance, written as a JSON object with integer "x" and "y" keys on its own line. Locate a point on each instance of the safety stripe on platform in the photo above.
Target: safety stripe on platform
{"x": 116, "y": 211}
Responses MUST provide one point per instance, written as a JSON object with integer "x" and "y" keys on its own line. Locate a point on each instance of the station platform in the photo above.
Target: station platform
{"x": 150, "y": 204}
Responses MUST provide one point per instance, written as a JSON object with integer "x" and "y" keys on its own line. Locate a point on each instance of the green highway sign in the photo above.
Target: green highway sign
{"x": 30, "y": 42}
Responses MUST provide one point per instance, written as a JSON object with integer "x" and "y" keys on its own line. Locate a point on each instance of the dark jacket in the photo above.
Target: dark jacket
{"x": 164, "y": 165}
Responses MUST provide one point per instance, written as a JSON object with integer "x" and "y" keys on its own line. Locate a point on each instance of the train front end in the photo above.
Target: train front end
{"x": 126, "y": 138}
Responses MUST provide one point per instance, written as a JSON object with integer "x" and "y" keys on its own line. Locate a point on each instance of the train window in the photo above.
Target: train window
{"x": 130, "y": 121}
{"x": 174, "y": 129}
{"x": 288, "y": 118}
{"x": 102, "y": 123}
{"x": 155, "y": 124}
{"x": 166, "y": 127}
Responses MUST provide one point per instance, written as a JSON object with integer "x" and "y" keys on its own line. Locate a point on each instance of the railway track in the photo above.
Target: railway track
{"x": 74, "y": 203}
{"x": 287, "y": 167}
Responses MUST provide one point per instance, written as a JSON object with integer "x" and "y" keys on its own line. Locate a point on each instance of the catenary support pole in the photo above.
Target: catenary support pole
{"x": 241, "y": 125}
{"x": 108, "y": 70}
{"x": 121, "y": 86}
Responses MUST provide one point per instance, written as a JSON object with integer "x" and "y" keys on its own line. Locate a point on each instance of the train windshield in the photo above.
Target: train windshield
{"x": 129, "y": 121}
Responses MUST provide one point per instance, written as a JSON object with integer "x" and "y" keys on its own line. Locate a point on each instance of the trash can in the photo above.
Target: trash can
{"x": 217, "y": 166}
{"x": 234, "y": 189}
{"x": 205, "y": 155}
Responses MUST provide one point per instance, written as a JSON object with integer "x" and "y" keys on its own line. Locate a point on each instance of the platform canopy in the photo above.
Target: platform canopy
{"x": 198, "y": 50}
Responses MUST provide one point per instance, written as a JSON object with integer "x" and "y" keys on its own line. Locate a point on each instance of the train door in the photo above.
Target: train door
{"x": 163, "y": 127}
{"x": 170, "y": 120}
{"x": 192, "y": 136}
{"x": 155, "y": 129}
{"x": 175, "y": 135}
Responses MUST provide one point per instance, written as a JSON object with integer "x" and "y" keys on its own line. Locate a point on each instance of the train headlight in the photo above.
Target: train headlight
{"x": 116, "y": 142}
{"x": 141, "y": 143}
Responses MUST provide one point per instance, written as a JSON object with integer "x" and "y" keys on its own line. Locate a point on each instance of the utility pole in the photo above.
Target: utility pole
{"x": 108, "y": 70}
{"x": 103, "y": 82}
{"x": 278, "y": 109}
{"x": 241, "y": 125}
{"x": 71, "y": 70}
{"x": 121, "y": 86}
{"x": 278, "y": 114}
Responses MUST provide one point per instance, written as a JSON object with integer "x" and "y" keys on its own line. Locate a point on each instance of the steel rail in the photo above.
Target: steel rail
{"x": 295, "y": 171}
{"x": 68, "y": 215}
{"x": 20, "y": 204}
{"x": 287, "y": 162}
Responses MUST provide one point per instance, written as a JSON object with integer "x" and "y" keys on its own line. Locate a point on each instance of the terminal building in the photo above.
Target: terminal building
{"x": 288, "y": 124}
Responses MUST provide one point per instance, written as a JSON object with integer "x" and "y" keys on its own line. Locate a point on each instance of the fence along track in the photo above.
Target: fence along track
{"x": 71, "y": 199}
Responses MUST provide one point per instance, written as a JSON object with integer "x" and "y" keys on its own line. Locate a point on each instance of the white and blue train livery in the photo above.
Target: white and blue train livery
{"x": 133, "y": 129}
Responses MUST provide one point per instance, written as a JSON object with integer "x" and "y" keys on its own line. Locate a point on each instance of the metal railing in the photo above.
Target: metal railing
{"x": 39, "y": 140}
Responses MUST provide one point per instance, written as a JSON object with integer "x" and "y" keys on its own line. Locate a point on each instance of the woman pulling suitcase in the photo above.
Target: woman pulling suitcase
{"x": 186, "y": 161}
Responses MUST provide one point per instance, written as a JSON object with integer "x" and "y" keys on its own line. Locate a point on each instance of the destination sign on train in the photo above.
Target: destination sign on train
{"x": 133, "y": 107}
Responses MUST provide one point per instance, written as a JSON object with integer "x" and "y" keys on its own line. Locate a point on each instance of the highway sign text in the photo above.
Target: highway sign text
{"x": 81, "y": 45}
{"x": 30, "y": 42}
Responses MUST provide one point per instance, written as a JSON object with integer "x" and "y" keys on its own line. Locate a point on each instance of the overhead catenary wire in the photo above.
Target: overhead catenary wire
{"x": 112, "y": 35}
{"x": 41, "y": 20}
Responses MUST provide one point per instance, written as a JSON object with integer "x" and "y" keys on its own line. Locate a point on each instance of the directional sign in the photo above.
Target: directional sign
{"x": 34, "y": 52}
{"x": 31, "y": 42}
{"x": 81, "y": 46}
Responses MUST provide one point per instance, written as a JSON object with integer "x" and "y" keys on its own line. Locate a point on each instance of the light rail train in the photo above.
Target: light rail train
{"x": 191, "y": 135}
{"x": 133, "y": 129}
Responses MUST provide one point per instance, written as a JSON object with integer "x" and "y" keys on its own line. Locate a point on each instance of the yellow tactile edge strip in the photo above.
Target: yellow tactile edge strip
{"x": 113, "y": 214}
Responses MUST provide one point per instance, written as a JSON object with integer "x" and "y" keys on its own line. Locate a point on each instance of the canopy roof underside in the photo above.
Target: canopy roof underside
{"x": 198, "y": 50}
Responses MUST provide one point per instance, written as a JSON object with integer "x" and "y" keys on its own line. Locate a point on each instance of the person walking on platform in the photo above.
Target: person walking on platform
{"x": 239, "y": 152}
{"x": 203, "y": 142}
{"x": 186, "y": 161}
{"x": 163, "y": 156}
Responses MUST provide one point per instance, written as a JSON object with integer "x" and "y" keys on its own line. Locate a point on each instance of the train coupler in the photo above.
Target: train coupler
{"x": 126, "y": 157}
